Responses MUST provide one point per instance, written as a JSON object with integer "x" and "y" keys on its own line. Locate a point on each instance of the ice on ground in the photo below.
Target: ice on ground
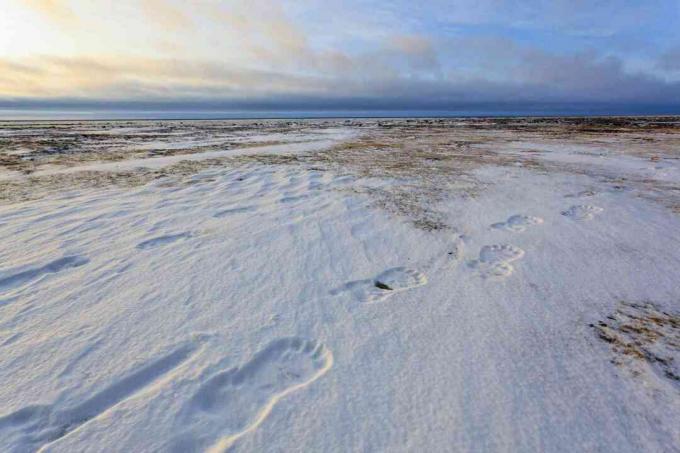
{"x": 359, "y": 285}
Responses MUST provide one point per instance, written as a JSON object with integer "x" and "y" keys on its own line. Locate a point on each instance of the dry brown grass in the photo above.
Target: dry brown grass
{"x": 641, "y": 333}
{"x": 431, "y": 160}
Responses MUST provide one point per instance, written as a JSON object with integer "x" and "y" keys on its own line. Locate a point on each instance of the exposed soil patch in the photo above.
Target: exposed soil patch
{"x": 644, "y": 340}
{"x": 431, "y": 159}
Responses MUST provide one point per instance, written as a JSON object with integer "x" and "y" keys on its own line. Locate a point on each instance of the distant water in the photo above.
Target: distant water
{"x": 473, "y": 111}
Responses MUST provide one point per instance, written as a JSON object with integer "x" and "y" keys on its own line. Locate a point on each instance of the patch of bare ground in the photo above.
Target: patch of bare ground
{"x": 35, "y": 187}
{"x": 663, "y": 192}
{"x": 431, "y": 159}
{"x": 644, "y": 340}
{"x": 68, "y": 143}
{"x": 30, "y": 164}
{"x": 428, "y": 167}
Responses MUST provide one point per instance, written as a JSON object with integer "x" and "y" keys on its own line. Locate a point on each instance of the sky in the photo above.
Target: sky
{"x": 337, "y": 54}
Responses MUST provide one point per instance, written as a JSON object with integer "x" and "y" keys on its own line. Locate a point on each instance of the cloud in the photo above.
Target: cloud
{"x": 55, "y": 10}
{"x": 670, "y": 60}
{"x": 125, "y": 78}
{"x": 352, "y": 53}
{"x": 417, "y": 50}
{"x": 267, "y": 36}
{"x": 165, "y": 14}
{"x": 541, "y": 77}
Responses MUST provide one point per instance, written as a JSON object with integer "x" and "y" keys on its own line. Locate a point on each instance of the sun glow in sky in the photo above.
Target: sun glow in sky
{"x": 353, "y": 53}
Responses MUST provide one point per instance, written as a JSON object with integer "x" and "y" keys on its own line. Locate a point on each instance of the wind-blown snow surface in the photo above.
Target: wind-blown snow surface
{"x": 271, "y": 307}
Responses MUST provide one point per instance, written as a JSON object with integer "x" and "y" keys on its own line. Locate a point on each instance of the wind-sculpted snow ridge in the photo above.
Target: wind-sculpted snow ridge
{"x": 162, "y": 240}
{"x": 36, "y": 427}
{"x": 234, "y": 211}
{"x": 235, "y": 402}
{"x": 10, "y": 280}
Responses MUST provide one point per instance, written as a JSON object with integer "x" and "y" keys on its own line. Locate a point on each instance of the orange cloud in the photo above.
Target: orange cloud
{"x": 56, "y": 10}
{"x": 165, "y": 14}
{"x": 115, "y": 77}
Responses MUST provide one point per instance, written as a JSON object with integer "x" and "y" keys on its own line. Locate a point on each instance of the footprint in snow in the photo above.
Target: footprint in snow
{"x": 234, "y": 402}
{"x": 384, "y": 285}
{"x": 496, "y": 253}
{"x": 518, "y": 223}
{"x": 582, "y": 212}
{"x": 494, "y": 260}
{"x": 451, "y": 255}
{"x": 457, "y": 248}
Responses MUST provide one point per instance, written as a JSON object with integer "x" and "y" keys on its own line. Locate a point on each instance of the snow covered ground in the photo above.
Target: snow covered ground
{"x": 366, "y": 286}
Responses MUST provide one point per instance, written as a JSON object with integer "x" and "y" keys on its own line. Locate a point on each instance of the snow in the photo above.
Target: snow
{"x": 277, "y": 307}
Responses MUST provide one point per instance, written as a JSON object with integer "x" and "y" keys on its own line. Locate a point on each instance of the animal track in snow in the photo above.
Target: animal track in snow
{"x": 53, "y": 267}
{"x": 518, "y": 223}
{"x": 399, "y": 279}
{"x": 384, "y": 285}
{"x": 497, "y": 253}
{"x": 582, "y": 212}
{"x": 234, "y": 402}
{"x": 457, "y": 248}
{"x": 583, "y": 193}
{"x": 162, "y": 240}
{"x": 494, "y": 260}
{"x": 37, "y": 426}
{"x": 448, "y": 257}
